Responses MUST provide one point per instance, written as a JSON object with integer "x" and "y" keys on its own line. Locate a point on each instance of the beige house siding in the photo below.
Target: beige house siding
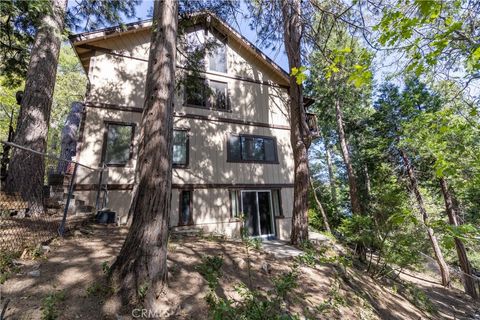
{"x": 258, "y": 106}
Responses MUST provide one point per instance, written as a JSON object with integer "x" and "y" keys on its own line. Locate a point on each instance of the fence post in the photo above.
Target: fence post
{"x": 61, "y": 229}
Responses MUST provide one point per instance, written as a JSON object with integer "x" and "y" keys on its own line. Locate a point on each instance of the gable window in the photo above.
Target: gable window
{"x": 217, "y": 57}
{"x": 185, "y": 208}
{"x": 118, "y": 143}
{"x": 180, "y": 148}
{"x": 208, "y": 94}
{"x": 248, "y": 148}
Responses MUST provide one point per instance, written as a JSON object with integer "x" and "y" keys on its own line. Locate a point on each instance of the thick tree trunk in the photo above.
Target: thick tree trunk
{"x": 468, "y": 280}
{"x": 69, "y": 136}
{"x": 352, "y": 184}
{"x": 299, "y": 133}
{"x": 320, "y": 207}
{"x": 444, "y": 272}
{"x": 26, "y": 170}
{"x": 141, "y": 265}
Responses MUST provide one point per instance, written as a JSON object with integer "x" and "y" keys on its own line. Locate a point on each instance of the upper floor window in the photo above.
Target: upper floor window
{"x": 203, "y": 93}
{"x": 248, "y": 148}
{"x": 180, "y": 148}
{"x": 217, "y": 57}
{"x": 118, "y": 143}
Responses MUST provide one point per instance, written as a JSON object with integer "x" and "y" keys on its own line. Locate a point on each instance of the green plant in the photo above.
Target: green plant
{"x": 142, "y": 290}
{"x": 420, "y": 299}
{"x": 210, "y": 269}
{"x": 6, "y": 264}
{"x": 98, "y": 290}
{"x": 50, "y": 305}
{"x": 105, "y": 267}
{"x": 286, "y": 282}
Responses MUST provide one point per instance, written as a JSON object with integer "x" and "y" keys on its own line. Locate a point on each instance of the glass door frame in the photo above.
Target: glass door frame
{"x": 272, "y": 216}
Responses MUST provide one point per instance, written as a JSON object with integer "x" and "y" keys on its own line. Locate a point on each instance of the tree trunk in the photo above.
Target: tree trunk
{"x": 140, "y": 270}
{"x": 26, "y": 169}
{"x": 331, "y": 174}
{"x": 353, "y": 190}
{"x": 421, "y": 207}
{"x": 69, "y": 136}
{"x": 468, "y": 280}
{"x": 299, "y": 133}
{"x": 320, "y": 207}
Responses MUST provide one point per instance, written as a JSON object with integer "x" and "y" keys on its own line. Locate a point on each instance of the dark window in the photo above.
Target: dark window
{"x": 118, "y": 144}
{"x": 217, "y": 57}
{"x": 206, "y": 94}
{"x": 219, "y": 95}
{"x": 185, "y": 208}
{"x": 246, "y": 148}
{"x": 195, "y": 91}
{"x": 180, "y": 148}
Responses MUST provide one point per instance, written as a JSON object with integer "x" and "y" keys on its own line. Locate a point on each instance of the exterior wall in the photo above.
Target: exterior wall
{"x": 258, "y": 106}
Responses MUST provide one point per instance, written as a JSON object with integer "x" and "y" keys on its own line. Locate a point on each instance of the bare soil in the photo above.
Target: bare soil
{"x": 75, "y": 266}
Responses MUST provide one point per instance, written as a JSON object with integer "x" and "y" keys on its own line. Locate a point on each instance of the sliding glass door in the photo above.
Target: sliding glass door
{"x": 257, "y": 208}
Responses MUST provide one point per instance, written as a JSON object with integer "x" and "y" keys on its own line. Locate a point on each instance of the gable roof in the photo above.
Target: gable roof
{"x": 80, "y": 42}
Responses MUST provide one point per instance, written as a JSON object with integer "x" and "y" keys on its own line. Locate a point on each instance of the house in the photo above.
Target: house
{"x": 232, "y": 153}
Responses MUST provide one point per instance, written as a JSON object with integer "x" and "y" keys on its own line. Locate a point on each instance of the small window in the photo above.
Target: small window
{"x": 235, "y": 203}
{"x": 185, "y": 208}
{"x": 118, "y": 144}
{"x": 246, "y": 148}
{"x": 180, "y": 148}
{"x": 277, "y": 203}
{"x": 217, "y": 57}
{"x": 219, "y": 95}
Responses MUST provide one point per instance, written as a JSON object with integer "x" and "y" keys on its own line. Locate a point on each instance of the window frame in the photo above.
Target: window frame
{"x": 180, "y": 195}
{"x": 223, "y": 39}
{"x": 107, "y": 123}
{"x": 187, "y": 162}
{"x": 275, "y": 148}
{"x": 207, "y": 97}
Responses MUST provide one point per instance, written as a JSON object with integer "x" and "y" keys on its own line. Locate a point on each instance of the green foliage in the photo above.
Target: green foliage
{"x": 142, "y": 290}
{"x": 299, "y": 74}
{"x": 6, "y": 264}
{"x": 99, "y": 290}
{"x": 50, "y": 305}
{"x": 255, "y": 304}
{"x": 210, "y": 269}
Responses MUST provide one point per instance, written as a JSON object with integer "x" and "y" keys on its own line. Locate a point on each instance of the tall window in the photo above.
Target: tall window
{"x": 219, "y": 95}
{"x": 118, "y": 143}
{"x": 217, "y": 57}
{"x": 180, "y": 148}
{"x": 185, "y": 208}
{"x": 248, "y": 148}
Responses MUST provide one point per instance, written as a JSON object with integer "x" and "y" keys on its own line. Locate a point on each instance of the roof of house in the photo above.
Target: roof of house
{"x": 81, "y": 42}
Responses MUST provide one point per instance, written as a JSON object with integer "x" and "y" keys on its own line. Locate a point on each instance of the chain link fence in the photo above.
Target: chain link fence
{"x": 37, "y": 197}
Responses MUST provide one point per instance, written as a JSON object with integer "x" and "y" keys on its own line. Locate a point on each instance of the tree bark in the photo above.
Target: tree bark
{"x": 140, "y": 269}
{"x": 444, "y": 272}
{"x": 320, "y": 207}
{"x": 353, "y": 190}
{"x": 331, "y": 174}
{"x": 69, "y": 136}
{"x": 299, "y": 133}
{"x": 26, "y": 170}
{"x": 465, "y": 266}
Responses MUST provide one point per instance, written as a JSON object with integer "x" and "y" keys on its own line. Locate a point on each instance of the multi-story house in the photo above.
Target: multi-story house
{"x": 231, "y": 155}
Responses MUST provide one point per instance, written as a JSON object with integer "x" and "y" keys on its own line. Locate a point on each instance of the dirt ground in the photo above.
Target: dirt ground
{"x": 74, "y": 266}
